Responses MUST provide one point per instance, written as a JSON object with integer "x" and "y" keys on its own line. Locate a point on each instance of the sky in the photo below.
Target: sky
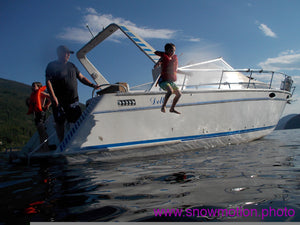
{"x": 258, "y": 34}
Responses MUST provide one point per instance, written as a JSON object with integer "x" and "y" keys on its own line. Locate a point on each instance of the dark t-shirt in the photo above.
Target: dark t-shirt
{"x": 63, "y": 78}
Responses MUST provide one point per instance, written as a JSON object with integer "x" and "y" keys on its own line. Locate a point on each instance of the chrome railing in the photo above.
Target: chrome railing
{"x": 285, "y": 82}
{"x": 255, "y": 81}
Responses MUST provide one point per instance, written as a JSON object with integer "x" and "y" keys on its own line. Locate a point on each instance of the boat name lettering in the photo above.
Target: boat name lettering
{"x": 157, "y": 100}
{"x": 126, "y": 102}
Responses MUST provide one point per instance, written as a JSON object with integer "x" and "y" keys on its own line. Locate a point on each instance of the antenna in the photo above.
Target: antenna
{"x": 90, "y": 30}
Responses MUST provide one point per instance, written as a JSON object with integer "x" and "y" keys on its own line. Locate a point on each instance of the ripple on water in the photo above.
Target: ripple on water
{"x": 256, "y": 175}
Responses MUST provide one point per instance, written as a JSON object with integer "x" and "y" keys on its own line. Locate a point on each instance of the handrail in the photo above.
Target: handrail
{"x": 250, "y": 77}
{"x": 141, "y": 85}
{"x": 221, "y": 79}
{"x": 224, "y": 83}
{"x": 102, "y": 85}
{"x": 271, "y": 80}
{"x": 253, "y": 83}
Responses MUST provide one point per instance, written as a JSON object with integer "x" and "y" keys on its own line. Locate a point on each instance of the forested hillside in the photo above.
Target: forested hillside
{"x": 15, "y": 126}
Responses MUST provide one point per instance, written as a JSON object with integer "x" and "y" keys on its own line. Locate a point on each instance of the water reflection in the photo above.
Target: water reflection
{"x": 256, "y": 175}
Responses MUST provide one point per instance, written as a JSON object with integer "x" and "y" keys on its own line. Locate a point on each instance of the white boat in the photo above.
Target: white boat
{"x": 219, "y": 106}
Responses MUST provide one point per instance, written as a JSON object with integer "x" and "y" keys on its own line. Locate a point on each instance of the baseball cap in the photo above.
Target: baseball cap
{"x": 63, "y": 48}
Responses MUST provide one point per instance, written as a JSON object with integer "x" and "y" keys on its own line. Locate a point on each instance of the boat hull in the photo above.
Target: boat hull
{"x": 208, "y": 118}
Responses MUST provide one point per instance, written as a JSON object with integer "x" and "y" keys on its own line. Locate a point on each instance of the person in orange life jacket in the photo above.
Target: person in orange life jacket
{"x": 169, "y": 64}
{"x": 38, "y": 103}
{"x": 61, "y": 80}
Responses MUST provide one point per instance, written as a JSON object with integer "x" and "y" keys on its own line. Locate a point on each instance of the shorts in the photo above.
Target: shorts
{"x": 70, "y": 113}
{"x": 164, "y": 85}
{"x": 39, "y": 118}
{"x": 73, "y": 112}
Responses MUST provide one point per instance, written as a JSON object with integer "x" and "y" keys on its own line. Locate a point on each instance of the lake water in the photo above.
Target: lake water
{"x": 261, "y": 176}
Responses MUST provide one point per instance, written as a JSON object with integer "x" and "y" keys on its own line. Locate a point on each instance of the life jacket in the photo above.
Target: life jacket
{"x": 35, "y": 104}
{"x": 168, "y": 67}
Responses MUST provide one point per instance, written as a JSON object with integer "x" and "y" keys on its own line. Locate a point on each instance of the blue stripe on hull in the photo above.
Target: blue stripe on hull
{"x": 183, "y": 138}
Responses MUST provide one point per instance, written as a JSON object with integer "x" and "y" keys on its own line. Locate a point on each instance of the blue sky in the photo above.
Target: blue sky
{"x": 246, "y": 33}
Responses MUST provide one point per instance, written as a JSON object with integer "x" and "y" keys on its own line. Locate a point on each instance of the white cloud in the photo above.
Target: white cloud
{"x": 287, "y": 60}
{"x": 91, "y": 10}
{"x": 267, "y": 31}
{"x": 97, "y": 22}
{"x": 75, "y": 34}
{"x": 194, "y": 39}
